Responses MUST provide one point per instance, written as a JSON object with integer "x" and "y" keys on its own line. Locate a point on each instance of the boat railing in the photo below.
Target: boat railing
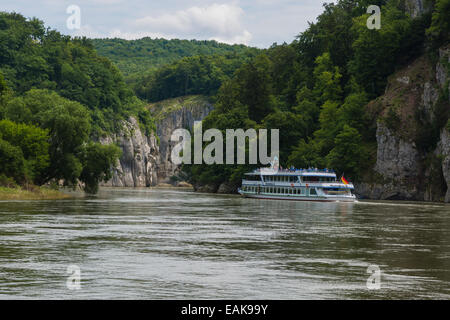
{"x": 301, "y": 170}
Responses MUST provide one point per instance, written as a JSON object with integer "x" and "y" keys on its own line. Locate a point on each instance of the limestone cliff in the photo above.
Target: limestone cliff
{"x": 416, "y": 8}
{"x": 175, "y": 114}
{"x": 413, "y": 151}
{"x": 444, "y": 150}
{"x": 145, "y": 160}
{"x": 137, "y": 165}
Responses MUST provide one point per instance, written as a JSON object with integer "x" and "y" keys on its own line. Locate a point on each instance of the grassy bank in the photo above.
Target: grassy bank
{"x": 37, "y": 193}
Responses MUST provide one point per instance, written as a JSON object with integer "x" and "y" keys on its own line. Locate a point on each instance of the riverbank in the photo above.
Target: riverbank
{"x": 37, "y": 193}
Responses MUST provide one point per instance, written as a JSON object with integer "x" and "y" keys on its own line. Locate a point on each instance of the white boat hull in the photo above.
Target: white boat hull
{"x": 299, "y": 198}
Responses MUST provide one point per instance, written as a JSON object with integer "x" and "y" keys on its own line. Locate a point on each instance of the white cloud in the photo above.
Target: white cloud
{"x": 221, "y": 22}
{"x": 254, "y": 22}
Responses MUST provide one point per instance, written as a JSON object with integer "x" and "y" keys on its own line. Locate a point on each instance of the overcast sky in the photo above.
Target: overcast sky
{"x": 253, "y": 22}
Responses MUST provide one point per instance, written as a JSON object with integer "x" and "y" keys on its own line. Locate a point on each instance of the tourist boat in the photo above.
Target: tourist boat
{"x": 297, "y": 184}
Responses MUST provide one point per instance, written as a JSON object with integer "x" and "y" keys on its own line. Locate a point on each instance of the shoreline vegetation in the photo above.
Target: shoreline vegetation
{"x": 34, "y": 193}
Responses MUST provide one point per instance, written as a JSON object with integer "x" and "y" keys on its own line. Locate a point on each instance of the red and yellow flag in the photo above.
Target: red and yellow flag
{"x": 344, "y": 181}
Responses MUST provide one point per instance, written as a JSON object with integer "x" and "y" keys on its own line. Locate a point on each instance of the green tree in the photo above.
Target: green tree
{"x": 378, "y": 52}
{"x": 255, "y": 87}
{"x": 329, "y": 127}
{"x": 306, "y": 155}
{"x": 327, "y": 79}
{"x": 12, "y": 161}
{"x": 353, "y": 113}
{"x": 33, "y": 143}
{"x": 5, "y": 94}
{"x": 439, "y": 31}
{"x": 347, "y": 153}
{"x": 291, "y": 126}
{"x": 67, "y": 123}
{"x": 97, "y": 160}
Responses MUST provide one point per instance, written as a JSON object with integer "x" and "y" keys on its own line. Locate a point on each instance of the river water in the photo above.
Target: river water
{"x": 174, "y": 244}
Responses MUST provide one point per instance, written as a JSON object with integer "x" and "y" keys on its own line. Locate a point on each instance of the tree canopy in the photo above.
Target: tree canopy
{"x": 316, "y": 89}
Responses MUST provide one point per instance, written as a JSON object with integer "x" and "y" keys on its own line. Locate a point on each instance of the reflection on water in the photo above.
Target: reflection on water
{"x": 171, "y": 244}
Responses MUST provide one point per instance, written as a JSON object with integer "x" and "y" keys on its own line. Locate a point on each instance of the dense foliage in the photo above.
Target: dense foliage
{"x": 34, "y": 57}
{"x": 136, "y": 57}
{"x": 316, "y": 89}
{"x": 192, "y": 75}
{"x": 55, "y": 94}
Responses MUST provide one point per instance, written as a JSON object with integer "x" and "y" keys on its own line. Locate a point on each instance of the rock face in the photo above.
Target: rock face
{"x": 416, "y": 8}
{"x": 398, "y": 161}
{"x": 181, "y": 114}
{"x": 442, "y": 68}
{"x": 137, "y": 165}
{"x": 145, "y": 161}
{"x": 396, "y": 158}
{"x": 403, "y": 169}
{"x": 444, "y": 151}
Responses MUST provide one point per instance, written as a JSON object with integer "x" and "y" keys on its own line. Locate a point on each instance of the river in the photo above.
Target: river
{"x": 175, "y": 244}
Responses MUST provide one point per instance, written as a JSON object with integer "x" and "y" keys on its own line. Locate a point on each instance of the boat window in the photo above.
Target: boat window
{"x": 313, "y": 192}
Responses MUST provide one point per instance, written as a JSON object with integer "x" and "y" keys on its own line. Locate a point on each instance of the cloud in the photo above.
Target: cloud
{"x": 253, "y": 22}
{"x": 221, "y": 22}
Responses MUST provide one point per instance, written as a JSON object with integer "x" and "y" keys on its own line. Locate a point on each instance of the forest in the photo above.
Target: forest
{"x": 316, "y": 89}
{"x": 137, "y": 57}
{"x": 56, "y": 95}
{"x": 59, "y": 94}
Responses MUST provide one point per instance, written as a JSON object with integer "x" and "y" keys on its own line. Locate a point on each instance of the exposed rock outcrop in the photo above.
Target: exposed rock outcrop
{"x": 137, "y": 165}
{"x": 178, "y": 113}
{"x": 407, "y": 111}
{"x": 443, "y": 68}
{"x": 396, "y": 158}
{"x": 416, "y": 8}
{"x": 444, "y": 151}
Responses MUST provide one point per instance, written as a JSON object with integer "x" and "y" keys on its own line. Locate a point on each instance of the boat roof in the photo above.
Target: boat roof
{"x": 295, "y": 172}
